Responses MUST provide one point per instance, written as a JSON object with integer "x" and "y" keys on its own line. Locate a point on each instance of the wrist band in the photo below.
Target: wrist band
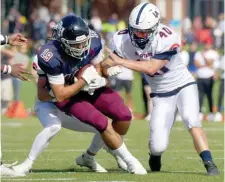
{"x": 6, "y": 39}
{"x": 9, "y": 69}
{"x": 5, "y": 69}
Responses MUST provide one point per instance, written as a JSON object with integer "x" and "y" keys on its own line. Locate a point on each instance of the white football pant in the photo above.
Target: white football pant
{"x": 50, "y": 115}
{"x": 164, "y": 113}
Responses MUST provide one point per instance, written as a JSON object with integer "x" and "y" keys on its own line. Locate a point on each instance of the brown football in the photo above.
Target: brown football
{"x": 81, "y": 71}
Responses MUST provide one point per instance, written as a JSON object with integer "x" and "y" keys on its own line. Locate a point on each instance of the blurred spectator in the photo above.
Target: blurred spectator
{"x": 205, "y": 61}
{"x": 220, "y": 107}
{"x": 189, "y": 36}
{"x": 191, "y": 66}
{"x": 96, "y": 21}
{"x": 219, "y": 33}
{"x": 12, "y": 20}
{"x": 109, "y": 28}
{"x": 6, "y": 86}
{"x": 124, "y": 81}
{"x": 205, "y": 35}
{"x": 16, "y": 56}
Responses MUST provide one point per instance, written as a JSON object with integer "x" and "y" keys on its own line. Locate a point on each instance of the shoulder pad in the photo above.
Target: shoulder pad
{"x": 168, "y": 40}
{"x": 49, "y": 59}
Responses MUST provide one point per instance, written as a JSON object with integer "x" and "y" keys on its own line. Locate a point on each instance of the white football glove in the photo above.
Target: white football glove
{"x": 90, "y": 74}
{"x": 114, "y": 70}
{"x": 95, "y": 84}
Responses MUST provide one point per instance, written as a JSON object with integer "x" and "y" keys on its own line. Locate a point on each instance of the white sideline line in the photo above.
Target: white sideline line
{"x": 82, "y": 150}
{"x": 112, "y": 159}
{"x": 56, "y": 179}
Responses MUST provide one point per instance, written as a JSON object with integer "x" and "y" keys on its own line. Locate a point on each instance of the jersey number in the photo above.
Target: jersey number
{"x": 165, "y": 32}
{"x": 46, "y": 55}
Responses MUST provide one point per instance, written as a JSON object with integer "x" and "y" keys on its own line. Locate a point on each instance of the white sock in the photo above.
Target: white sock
{"x": 123, "y": 153}
{"x": 96, "y": 144}
{"x": 42, "y": 141}
{"x": 28, "y": 162}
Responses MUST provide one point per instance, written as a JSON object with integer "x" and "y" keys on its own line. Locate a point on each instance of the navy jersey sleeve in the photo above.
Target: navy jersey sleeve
{"x": 48, "y": 60}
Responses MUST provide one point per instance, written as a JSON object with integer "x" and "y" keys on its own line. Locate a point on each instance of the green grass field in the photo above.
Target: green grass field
{"x": 180, "y": 161}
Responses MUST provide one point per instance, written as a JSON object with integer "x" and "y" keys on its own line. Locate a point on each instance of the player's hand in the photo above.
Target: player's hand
{"x": 116, "y": 59}
{"x": 90, "y": 74}
{"x": 95, "y": 84}
{"x": 17, "y": 39}
{"x": 18, "y": 71}
{"x": 115, "y": 70}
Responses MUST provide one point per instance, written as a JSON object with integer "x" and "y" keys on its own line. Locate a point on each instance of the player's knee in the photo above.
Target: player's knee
{"x": 98, "y": 121}
{"x": 122, "y": 113}
{"x": 158, "y": 147}
{"x": 191, "y": 121}
{"x": 54, "y": 129}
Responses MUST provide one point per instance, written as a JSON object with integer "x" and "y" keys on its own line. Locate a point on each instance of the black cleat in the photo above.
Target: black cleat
{"x": 154, "y": 163}
{"x": 211, "y": 168}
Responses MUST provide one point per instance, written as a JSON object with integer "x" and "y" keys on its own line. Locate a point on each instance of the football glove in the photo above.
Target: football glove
{"x": 114, "y": 70}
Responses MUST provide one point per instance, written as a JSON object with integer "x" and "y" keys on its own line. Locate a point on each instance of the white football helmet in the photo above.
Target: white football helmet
{"x": 143, "y": 23}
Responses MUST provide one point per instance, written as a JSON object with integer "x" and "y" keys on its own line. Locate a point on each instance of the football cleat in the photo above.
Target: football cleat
{"x": 90, "y": 163}
{"x": 154, "y": 162}
{"x": 6, "y": 171}
{"x": 22, "y": 168}
{"x": 121, "y": 164}
{"x": 211, "y": 168}
{"x": 135, "y": 167}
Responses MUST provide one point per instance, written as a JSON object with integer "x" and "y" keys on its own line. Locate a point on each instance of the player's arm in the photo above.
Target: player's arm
{"x": 15, "y": 39}
{"x": 148, "y": 67}
{"x": 62, "y": 92}
{"x": 42, "y": 91}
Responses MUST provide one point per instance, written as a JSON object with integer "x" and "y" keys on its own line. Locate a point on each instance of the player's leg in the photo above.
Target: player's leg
{"x": 47, "y": 114}
{"x": 86, "y": 159}
{"x": 188, "y": 106}
{"x": 110, "y": 137}
{"x": 162, "y": 119}
{"x": 112, "y": 105}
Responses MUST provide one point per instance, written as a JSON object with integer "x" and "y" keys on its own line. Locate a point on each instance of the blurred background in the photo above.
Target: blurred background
{"x": 200, "y": 23}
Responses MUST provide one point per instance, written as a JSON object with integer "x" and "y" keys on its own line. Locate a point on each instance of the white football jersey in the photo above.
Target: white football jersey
{"x": 173, "y": 75}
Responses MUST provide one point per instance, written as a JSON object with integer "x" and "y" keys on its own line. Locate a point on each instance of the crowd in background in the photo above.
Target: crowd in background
{"x": 202, "y": 52}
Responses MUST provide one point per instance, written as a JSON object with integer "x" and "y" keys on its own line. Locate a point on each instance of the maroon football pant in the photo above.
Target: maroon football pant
{"x": 94, "y": 109}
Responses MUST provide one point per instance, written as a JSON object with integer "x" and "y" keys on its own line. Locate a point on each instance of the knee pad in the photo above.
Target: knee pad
{"x": 191, "y": 121}
{"x": 53, "y": 129}
{"x": 121, "y": 112}
{"x": 97, "y": 120}
{"x": 157, "y": 148}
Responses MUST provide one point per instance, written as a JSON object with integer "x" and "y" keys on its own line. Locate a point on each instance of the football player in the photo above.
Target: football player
{"x": 74, "y": 47}
{"x": 152, "y": 48}
{"x": 15, "y": 70}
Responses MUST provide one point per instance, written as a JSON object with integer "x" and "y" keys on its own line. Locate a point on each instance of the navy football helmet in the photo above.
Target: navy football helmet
{"x": 74, "y": 35}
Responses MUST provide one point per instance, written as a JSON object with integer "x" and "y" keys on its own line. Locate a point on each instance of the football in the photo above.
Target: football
{"x": 81, "y": 71}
